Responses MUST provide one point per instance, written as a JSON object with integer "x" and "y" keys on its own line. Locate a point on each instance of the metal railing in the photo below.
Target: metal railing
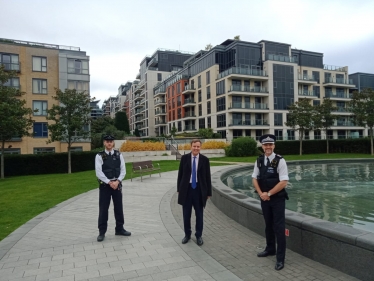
{"x": 189, "y": 88}
{"x": 189, "y": 114}
{"x": 160, "y": 101}
{"x": 253, "y": 122}
{"x": 333, "y": 67}
{"x": 187, "y": 101}
{"x": 331, "y": 94}
{"x": 248, "y": 105}
{"x": 37, "y": 44}
{"x": 281, "y": 58}
{"x": 242, "y": 71}
{"x": 239, "y": 88}
{"x": 160, "y": 112}
{"x": 306, "y": 77}
{"x": 338, "y": 81}
{"x": 308, "y": 93}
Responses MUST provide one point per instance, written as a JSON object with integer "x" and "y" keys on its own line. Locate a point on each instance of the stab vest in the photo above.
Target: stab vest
{"x": 269, "y": 176}
{"x": 111, "y": 164}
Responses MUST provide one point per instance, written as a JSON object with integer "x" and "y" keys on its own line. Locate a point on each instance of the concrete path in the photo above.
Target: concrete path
{"x": 61, "y": 245}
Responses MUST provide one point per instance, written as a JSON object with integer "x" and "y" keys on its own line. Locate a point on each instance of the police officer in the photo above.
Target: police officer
{"x": 110, "y": 171}
{"x": 270, "y": 177}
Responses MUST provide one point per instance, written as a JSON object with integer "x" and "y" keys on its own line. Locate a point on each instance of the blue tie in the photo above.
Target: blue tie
{"x": 193, "y": 184}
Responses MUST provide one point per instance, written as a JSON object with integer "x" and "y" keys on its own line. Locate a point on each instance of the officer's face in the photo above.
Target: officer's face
{"x": 195, "y": 148}
{"x": 268, "y": 148}
{"x": 108, "y": 144}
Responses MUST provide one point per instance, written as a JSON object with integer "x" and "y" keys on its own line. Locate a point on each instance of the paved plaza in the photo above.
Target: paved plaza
{"x": 60, "y": 244}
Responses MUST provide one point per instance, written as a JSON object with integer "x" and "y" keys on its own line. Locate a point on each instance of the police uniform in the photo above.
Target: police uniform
{"x": 110, "y": 166}
{"x": 269, "y": 171}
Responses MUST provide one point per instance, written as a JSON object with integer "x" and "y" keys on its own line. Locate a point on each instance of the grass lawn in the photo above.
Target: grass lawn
{"x": 23, "y": 198}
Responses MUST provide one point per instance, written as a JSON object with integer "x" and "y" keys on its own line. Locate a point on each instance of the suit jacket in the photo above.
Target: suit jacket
{"x": 203, "y": 178}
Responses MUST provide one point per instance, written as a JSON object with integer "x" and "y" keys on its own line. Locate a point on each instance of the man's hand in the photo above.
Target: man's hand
{"x": 114, "y": 184}
{"x": 264, "y": 196}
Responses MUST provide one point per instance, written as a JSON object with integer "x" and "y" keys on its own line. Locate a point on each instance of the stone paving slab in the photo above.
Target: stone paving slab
{"x": 60, "y": 244}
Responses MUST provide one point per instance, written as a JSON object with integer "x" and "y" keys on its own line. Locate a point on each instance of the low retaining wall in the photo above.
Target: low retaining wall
{"x": 342, "y": 247}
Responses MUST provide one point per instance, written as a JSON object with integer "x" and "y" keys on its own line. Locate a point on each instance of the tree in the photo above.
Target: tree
{"x": 121, "y": 122}
{"x": 71, "y": 115}
{"x": 136, "y": 132}
{"x": 325, "y": 119}
{"x": 98, "y": 125}
{"x": 237, "y": 37}
{"x": 173, "y": 131}
{"x": 300, "y": 117}
{"x": 15, "y": 118}
{"x": 362, "y": 108}
{"x": 206, "y": 133}
{"x": 208, "y": 47}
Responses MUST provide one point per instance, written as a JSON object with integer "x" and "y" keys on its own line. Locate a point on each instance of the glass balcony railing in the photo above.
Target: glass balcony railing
{"x": 137, "y": 111}
{"x": 305, "y": 77}
{"x": 187, "y": 101}
{"x": 308, "y": 93}
{"x": 160, "y": 112}
{"x": 331, "y": 94}
{"x": 242, "y": 71}
{"x": 253, "y": 122}
{"x": 248, "y": 105}
{"x": 160, "y": 101}
{"x": 189, "y": 88}
{"x": 333, "y": 67}
{"x": 189, "y": 128}
{"x": 189, "y": 114}
{"x": 240, "y": 88}
{"x": 342, "y": 109}
{"x": 344, "y": 123}
{"x": 160, "y": 122}
{"x": 338, "y": 81}
{"x": 281, "y": 58}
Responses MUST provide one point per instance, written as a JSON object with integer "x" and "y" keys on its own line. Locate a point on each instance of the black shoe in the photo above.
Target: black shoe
{"x": 100, "y": 238}
{"x": 279, "y": 265}
{"x": 185, "y": 239}
{"x": 123, "y": 232}
{"x": 265, "y": 254}
{"x": 199, "y": 241}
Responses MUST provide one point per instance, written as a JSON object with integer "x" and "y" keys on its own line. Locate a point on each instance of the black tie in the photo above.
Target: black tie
{"x": 268, "y": 162}
{"x": 110, "y": 154}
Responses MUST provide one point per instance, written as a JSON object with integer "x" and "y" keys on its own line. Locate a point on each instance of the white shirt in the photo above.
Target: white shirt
{"x": 99, "y": 171}
{"x": 282, "y": 168}
{"x": 197, "y": 165}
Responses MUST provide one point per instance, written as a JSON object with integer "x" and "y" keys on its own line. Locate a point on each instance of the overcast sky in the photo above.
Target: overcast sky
{"x": 118, "y": 34}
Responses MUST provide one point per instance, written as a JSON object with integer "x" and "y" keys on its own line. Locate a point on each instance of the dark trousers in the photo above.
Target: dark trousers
{"x": 193, "y": 200}
{"x": 106, "y": 193}
{"x": 274, "y": 215}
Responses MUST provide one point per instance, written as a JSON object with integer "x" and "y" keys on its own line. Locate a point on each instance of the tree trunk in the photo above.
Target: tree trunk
{"x": 301, "y": 143}
{"x": 69, "y": 159}
{"x": 2, "y": 159}
{"x": 371, "y": 141}
{"x": 327, "y": 143}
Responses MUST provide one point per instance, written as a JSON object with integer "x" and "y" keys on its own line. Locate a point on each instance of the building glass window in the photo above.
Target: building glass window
{"x": 199, "y": 81}
{"x": 42, "y": 150}
{"x": 202, "y": 123}
{"x": 40, "y": 130}
{"x": 200, "y": 110}
{"x": 39, "y": 86}
{"x": 78, "y": 85}
{"x": 178, "y": 88}
{"x": 12, "y": 82}
{"x": 9, "y": 61}
{"x": 221, "y": 120}
{"x": 11, "y": 151}
{"x": 199, "y": 96}
{"x": 278, "y": 119}
{"x": 41, "y": 106}
{"x": 179, "y": 126}
{"x": 221, "y": 104}
{"x": 76, "y": 149}
{"x": 220, "y": 87}
{"x": 77, "y": 66}
{"x": 208, "y": 107}
{"x": 208, "y": 92}
{"x": 39, "y": 64}
{"x": 209, "y": 119}
{"x": 159, "y": 77}
{"x": 208, "y": 77}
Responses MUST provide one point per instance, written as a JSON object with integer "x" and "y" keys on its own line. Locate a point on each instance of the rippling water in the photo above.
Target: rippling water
{"x": 342, "y": 193}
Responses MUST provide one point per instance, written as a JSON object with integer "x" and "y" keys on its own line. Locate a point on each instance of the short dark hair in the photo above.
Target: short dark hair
{"x": 195, "y": 140}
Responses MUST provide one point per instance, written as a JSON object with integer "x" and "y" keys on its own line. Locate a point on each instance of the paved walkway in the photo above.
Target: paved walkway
{"x": 60, "y": 244}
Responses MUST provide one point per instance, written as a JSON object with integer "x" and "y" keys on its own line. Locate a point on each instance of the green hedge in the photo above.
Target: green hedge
{"x": 53, "y": 163}
{"x": 361, "y": 145}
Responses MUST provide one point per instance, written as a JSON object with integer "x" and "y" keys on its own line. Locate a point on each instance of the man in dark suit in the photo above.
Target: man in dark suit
{"x": 194, "y": 187}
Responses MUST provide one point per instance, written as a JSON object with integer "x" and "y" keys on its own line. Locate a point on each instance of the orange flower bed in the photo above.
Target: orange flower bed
{"x": 142, "y": 146}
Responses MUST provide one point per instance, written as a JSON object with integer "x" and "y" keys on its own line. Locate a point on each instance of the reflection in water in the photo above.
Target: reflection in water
{"x": 342, "y": 193}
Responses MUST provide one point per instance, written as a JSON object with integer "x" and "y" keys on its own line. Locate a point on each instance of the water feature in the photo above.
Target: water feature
{"x": 336, "y": 192}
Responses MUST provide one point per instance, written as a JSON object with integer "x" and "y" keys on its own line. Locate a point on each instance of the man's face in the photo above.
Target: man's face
{"x": 195, "y": 148}
{"x": 108, "y": 144}
{"x": 268, "y": 148}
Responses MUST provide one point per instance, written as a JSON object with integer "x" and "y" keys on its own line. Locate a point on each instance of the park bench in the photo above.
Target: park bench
{"x": 143, "y": 167}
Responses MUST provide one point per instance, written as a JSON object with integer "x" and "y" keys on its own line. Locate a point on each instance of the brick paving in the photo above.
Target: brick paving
{"x": 60, "y": 244}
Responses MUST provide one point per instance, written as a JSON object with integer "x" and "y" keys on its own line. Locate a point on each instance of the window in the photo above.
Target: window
{"x": 41, "y": 106}
{"x": 208, "y": 77}
{"x": 179, "y": 126}
{"x": 178, "y": 88}
{"x": 199, "y": 96}
{"x": 275, "y": 84}
{"x": 159, "y": 77}
{"x": 208, "y": 107}
{"x": 39, "y": 86}
{"x": 202, "y": 123}
{"x": 78, "y": 85}
{"x": 12, "y": 82}
{"x": 199, "y": 81}
{"x": 209, "y": 119}
{"x": 11, "y": 151}
{"x": 220, "y": 87}
{"x": 77, "y": 66}
{"x": 200, "y": 110}
{"x": 208, "y": 92}
{"x": 221, "y": 120}
{"x": 40, "y": 150}
{"x": 39, "y": 64}
{"x": 278, "y": 119}
{"x": 221, "y": 104}
{"x": 10, "y": 61}
{"x": 40, "y": 130}
{"x": 76, "y": 149}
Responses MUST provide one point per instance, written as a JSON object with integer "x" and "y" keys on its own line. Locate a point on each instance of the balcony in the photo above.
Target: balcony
{"x": 337, "y": 95}
{"x": 246, "y": 90}
{"x": 243, "y": 73}
{"x": 306, "y": 79}
{"x": 253, "y": 122}
{"x": 343, "y": 123}
{"x": 248, "y": 105}
{"x": 189, "y": 115}
{"x": 138, "y": 75}
{"x": 160, "y": 91}
{"x": 160, "y": 123}
{"x": 142, "y": 93}
{"x": 160, "y": 102}
{"x": 189, "y": 89}
{"x": 333, "y": 68}
{"x": 138, "y": 119}
{"x": 160, "y": 112}
{"x": 137, "y": 97}
{"x": 137, "y": 104}
{"x": 11, "y": 66}
{"x": 153, "y": 62}
{"x": 189, "y": 102}
{"x": 339, "y": 82}
{"x": 190, "y": 128}
{"x": 342, "y": 109}
{"x": 308, "y": 94}
{"x": 139, "y": 111}
{"x": 281, "y": 58}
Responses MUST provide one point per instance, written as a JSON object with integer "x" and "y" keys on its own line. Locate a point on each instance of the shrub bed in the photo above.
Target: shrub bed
{"x": 142, "y": 146}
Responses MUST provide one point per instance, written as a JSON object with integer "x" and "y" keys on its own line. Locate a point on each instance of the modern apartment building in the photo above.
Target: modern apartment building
{"x": 362, "y": 80}
{"x": 42, "y": 68}
{"x": 143, "y": 107}
{"x": 96, "y": 111}
{"x": 242, "y": 88}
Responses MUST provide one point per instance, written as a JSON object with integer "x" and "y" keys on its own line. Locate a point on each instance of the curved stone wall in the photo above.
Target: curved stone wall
{"x": 342, "y": 247}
